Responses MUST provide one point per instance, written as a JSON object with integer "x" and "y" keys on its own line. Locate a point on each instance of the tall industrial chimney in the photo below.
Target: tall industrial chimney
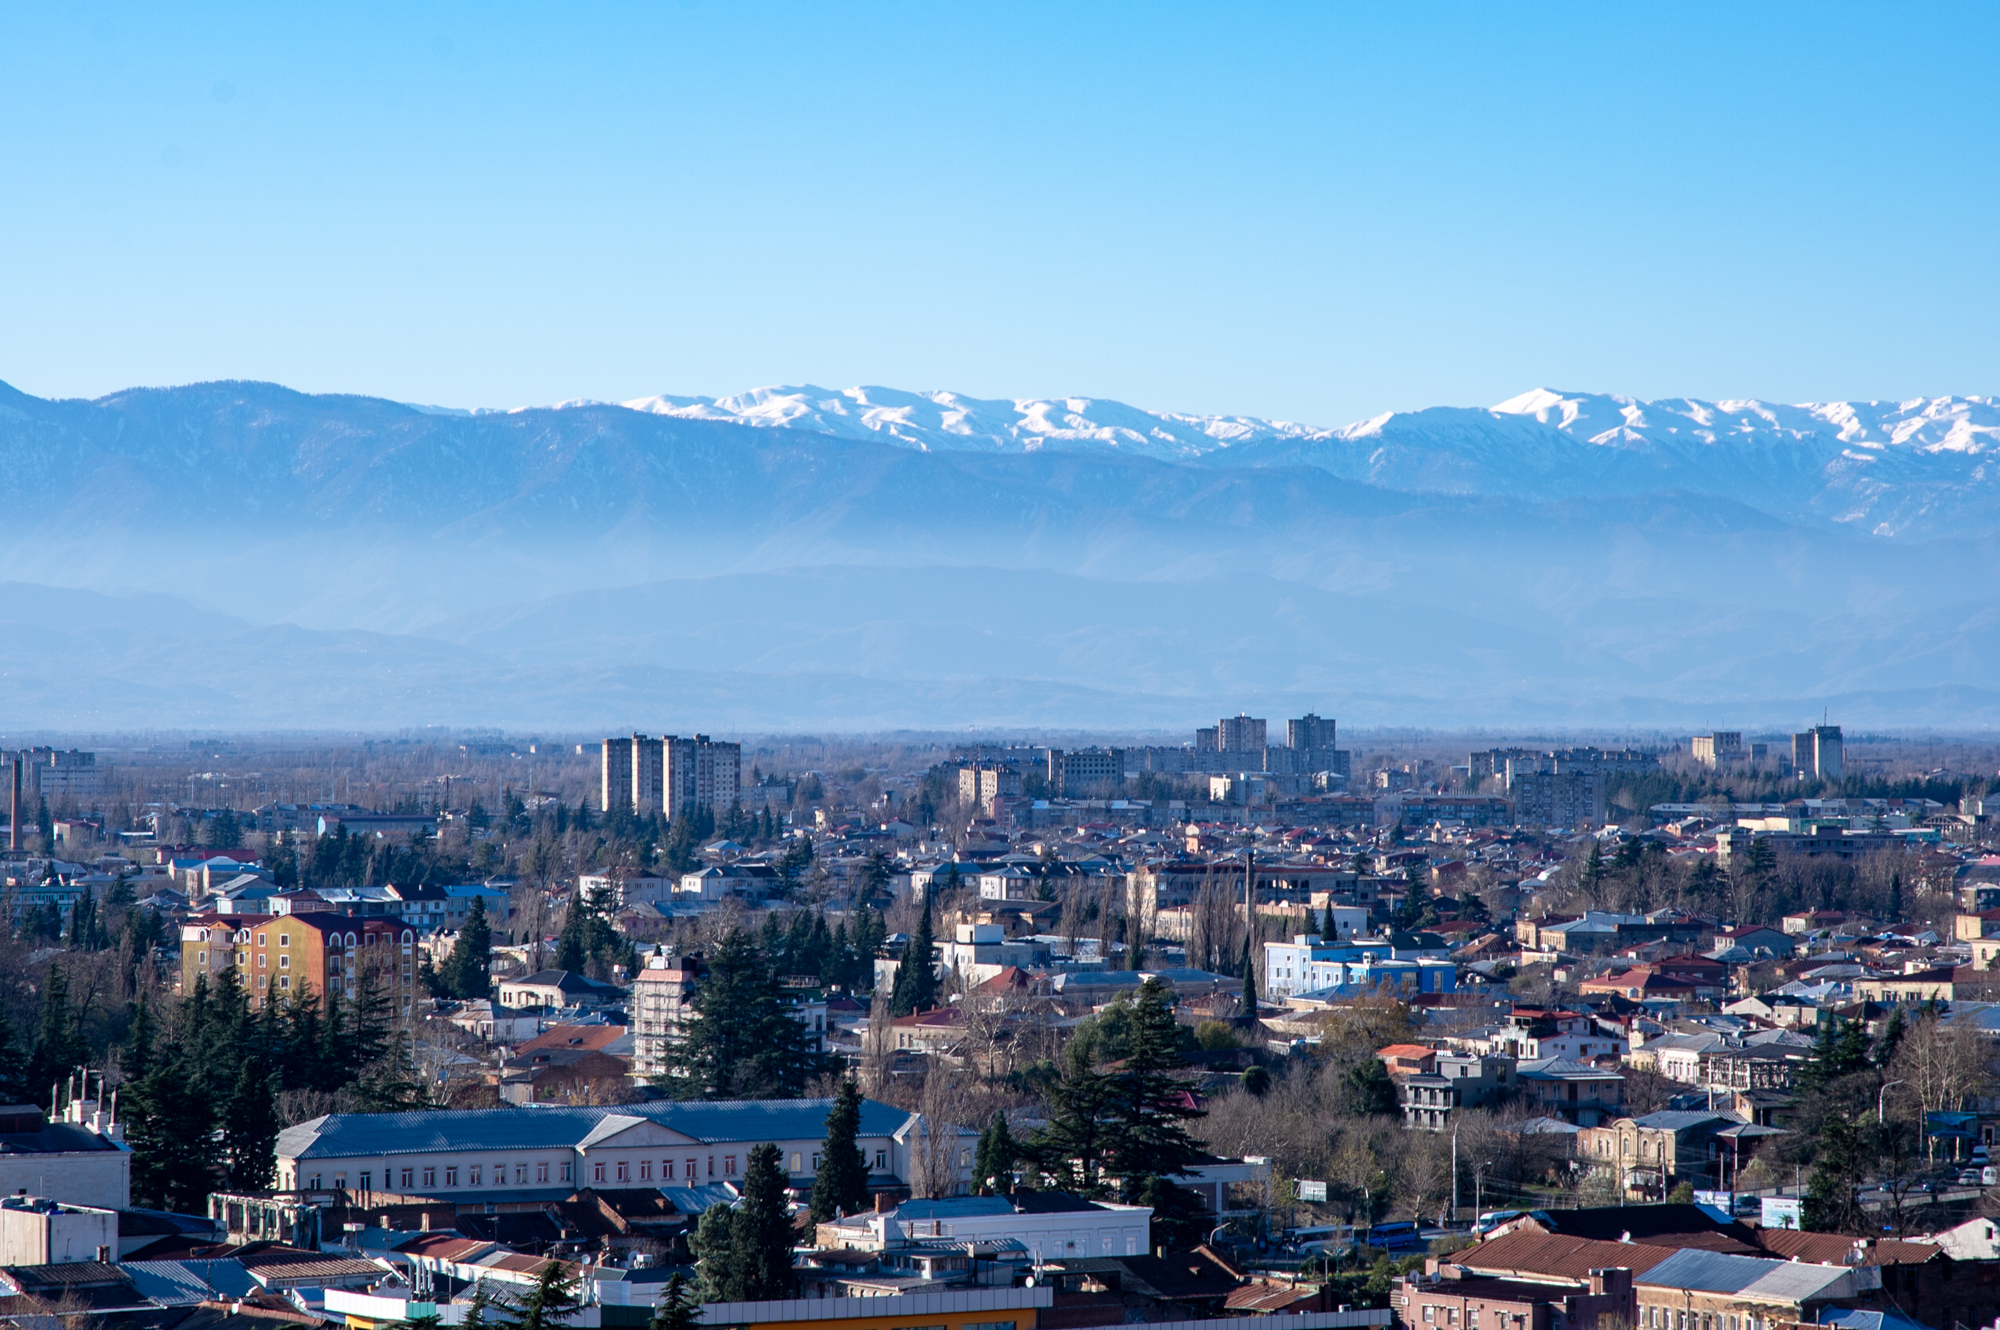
{"x": 14, "y": 818}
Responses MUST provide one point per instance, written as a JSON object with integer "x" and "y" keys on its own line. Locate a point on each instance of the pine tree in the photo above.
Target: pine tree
{"x": 745, "y": 1040}
{"x": 570, "y": 953}
{"x": 250, "y": 1129}
{"x": 993, "y": 1163}
{"x": 468, "y": 970}
{"x": 713, "y": 1242}
{"x": 175, "y": 1161}
{"x": 760, "y": 1249}
{"x": 916, "y": 977}
{"x": 841, "y": 1184}
{"x": 15, "y": 1087}
{"x": 1832, "y": 1204}
{"x": 59, "y": 1048}
{"x": 677, "y": 1310}
{"x": 551, "y": 1302}
{"x": 1896, "y": 898}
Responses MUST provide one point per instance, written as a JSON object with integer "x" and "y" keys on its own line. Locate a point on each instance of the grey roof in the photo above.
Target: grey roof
{"x": 1564, "y": 1069}
{"x": 1750, "y": 1276}
{"x": 1670, "y": 1120}
{"x": 184, "y": 1283}
{"x": 360, "y": 1135}
{"x": 1871, "y": 1320}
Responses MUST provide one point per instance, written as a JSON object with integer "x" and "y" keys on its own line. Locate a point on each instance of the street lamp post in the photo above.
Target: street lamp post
{"x": 1878, "y": 1099}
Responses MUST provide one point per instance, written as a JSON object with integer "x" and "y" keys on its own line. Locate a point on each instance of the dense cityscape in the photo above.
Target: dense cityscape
{"x": 407, "y": 1026}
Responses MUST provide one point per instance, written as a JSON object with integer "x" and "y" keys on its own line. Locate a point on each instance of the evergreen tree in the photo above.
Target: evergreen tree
{"x": 713, "y": 1242}
{"x": 916, "y": 977}
{"x": 250, "y": 1129}
{"x": 745, "y": 1040}
{"x": 677, "y": 1310}
{"x": 1149, "y": 1146}
{"x": 59, "y": 1047}
{"x": 570, "y": 954}
{"x": 1366, "y": 1090}
{"x": 551, "y": 1302}
{"x": 468, "y": 970}
{"x": 841, "y": 1184}
{"x": 1073, "y": 1145}
{"x": 15, "y": 1088}
{"x": 1832, "y": 1203}
{"x": 1840, "y": 1050}
{"x": 1896, "y": 898}
{"x": 993, "y": 1163}
{"x": 1249, "y": 983}
{"x": 760, "y": 1248}
{"x": 171, "y": 1128}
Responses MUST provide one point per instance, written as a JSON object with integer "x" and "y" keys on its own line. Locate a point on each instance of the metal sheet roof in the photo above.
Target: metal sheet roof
{"x": 1749, "y": 1276}
{"x": 372, "y": 1135}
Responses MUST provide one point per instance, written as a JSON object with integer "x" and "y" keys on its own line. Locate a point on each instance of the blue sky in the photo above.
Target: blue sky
{"x": 1317, "y": 212}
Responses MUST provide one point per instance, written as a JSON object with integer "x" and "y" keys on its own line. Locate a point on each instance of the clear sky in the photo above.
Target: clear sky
{"x": 1316, "y": 212}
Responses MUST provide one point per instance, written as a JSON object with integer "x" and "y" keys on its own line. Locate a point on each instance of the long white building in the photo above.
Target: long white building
{"x": 527, "y": 1153}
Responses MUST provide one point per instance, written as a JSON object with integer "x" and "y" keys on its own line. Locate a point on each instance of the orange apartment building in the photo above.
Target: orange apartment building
{"x": 278, "y": 956}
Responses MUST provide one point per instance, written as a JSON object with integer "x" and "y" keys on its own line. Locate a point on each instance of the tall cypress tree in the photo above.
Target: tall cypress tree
{"x": 1249, "y": 983}
{"x": 841, "y": 1184}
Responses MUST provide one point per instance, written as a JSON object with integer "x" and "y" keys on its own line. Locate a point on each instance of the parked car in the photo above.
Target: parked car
{"x": 1968, "y": 1177}
{"x": 1493, "y": 1219}
{"x": 1989, "y": 1176}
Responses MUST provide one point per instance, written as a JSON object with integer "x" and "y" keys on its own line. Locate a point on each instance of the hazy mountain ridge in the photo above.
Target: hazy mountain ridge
{"x": 358, "y": 560}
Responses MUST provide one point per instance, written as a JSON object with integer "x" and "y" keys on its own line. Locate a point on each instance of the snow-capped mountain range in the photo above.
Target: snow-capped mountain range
{"x": 951, "y": 420}
{"x": 1921, "y": 466}
{"x": 234, "y": 554}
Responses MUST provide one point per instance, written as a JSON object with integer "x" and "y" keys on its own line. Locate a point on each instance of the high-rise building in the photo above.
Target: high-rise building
{"x": 1819, "y": 753}
{"x": 1309, "y": 732}
{"x": 1240, "y": 734}
{"x": 699, "y": 773}
{"x": 1573, "y": 799}
{"x": 617, "y": 773}
{"x": 671, "y": 775}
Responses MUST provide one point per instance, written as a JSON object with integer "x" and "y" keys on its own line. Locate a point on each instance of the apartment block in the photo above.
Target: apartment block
{"x": 1309, "y": 733}
{"x": 980, "y": 783}
{"x": 1718, "y": 749}
{"x": 1819, "y": 752}
{"x": 1556, "y": 798}
{"x": 670, "y": 775}
{"x": 1078, "y": 772}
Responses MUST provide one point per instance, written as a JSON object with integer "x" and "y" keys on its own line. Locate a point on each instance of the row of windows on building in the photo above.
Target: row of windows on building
{"x": 1657, "y": 1317}
{"x": 685, "y": 1169}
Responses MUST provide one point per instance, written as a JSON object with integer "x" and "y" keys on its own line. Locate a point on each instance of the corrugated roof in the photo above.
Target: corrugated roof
{"x": 1528, "y": 1253}
{"x": 350, "y": 1135}
{"x": 1834, "y": 1248}
{"x": 1748, "y": 1276}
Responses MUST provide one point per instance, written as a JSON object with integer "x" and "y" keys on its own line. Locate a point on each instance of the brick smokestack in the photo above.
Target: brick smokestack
{"x": 14, "y": 820}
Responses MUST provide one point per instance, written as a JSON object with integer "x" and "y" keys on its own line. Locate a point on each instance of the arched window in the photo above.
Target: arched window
{"x": 408, "y": 937}
{"x": 350, "y": 940}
